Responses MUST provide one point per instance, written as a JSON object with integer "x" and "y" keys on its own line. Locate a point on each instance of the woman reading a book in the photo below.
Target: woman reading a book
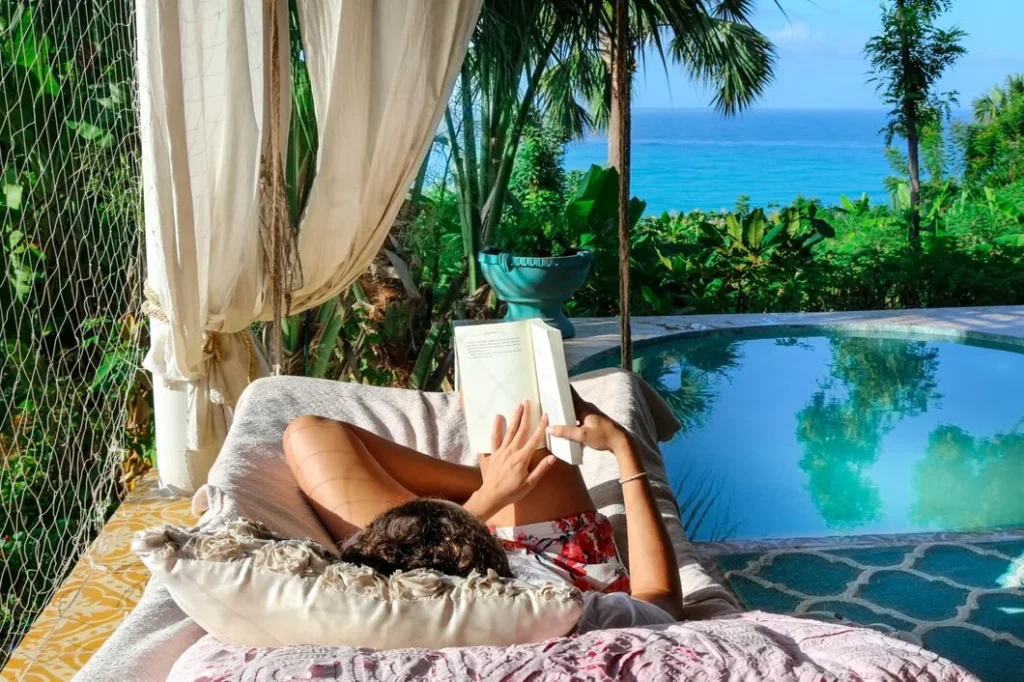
{"x": 523, "y": 513}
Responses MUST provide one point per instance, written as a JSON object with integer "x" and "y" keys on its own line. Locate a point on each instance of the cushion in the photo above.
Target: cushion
{"x": 246, "y": 585}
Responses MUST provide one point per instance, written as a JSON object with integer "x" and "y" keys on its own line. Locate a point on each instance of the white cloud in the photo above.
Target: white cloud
{"x": 795, "y": 34}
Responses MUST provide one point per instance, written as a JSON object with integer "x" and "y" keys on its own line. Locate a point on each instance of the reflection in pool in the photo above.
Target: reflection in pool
{"x": 841, "y": 435}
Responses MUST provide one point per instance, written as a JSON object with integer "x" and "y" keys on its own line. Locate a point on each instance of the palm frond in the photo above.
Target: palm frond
{"x": 572, "y": 93}
{"x": 732, "y": 57}
{"x": 1015, "y": 84}
{"x": 987, "y": 107}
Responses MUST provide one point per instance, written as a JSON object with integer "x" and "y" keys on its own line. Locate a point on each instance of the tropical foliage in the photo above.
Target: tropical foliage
{"x": 907, "y": 60}
{"x": 74, "y": 410}
{"x": 537, "y": 75}
{"x": 549, "y": 63}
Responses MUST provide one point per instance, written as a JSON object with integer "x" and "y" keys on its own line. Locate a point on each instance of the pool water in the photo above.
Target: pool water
{"x": 836, "y": 434}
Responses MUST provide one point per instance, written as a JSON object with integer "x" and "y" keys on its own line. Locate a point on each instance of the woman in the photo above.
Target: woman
{"x": 522, "y": 513}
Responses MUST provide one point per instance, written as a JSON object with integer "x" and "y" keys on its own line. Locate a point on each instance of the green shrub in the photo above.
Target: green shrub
{"x": 674, "y": 268}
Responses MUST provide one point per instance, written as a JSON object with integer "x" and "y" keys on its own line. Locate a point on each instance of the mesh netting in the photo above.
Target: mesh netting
{"x": 74, "y": 418}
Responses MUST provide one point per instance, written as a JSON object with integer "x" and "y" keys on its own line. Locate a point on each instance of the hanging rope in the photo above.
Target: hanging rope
{"x": 276, "y": 232}
{"x": 153, "y": 307}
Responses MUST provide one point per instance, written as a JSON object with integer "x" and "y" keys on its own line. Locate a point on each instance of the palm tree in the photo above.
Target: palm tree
{"x": 1015, "y": 84}
{"x": 714, "y": 41}
{"x": 528, "y": 57}
{"x": 988, "y": 106}
{"x": 513, "y": 44}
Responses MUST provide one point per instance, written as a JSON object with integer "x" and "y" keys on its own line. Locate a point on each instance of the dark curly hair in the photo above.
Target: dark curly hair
{"x": 427, "y": 533}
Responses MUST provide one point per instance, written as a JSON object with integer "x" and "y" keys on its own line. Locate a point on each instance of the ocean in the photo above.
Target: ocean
{"x": 695, "y": 159}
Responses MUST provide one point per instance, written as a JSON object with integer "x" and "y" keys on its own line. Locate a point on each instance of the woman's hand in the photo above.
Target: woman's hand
{"x": 509, "y": 477}
{"x": 596, "y": 430}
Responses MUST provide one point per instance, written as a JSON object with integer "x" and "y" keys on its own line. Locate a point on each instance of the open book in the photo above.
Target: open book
{"x": 500, "y": 364}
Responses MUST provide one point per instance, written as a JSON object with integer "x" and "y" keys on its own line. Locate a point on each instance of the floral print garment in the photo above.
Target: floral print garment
{"x": 580, "y": 549}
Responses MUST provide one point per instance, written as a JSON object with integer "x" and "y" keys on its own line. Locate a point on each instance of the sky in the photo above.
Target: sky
{"x": 821, "y": 63}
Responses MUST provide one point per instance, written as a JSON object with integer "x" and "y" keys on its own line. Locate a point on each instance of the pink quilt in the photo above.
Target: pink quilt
{"x": 751, "y": 647}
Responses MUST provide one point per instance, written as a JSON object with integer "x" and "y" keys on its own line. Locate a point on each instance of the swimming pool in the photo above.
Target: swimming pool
{"x": 829, "y": 433}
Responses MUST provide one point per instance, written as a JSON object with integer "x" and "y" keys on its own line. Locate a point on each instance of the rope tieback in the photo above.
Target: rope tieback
{"x": 152, "y": 307}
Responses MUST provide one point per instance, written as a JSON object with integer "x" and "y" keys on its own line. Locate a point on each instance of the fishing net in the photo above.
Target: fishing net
{"x": 74, "y": 416}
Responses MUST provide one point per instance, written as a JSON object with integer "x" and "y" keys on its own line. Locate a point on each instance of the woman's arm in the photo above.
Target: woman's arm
{"x": 653, "y": 572}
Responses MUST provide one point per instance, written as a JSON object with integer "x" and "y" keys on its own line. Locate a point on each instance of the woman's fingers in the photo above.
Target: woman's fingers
{"x": 513, "y": 427}
{"x": 542, "y": 468}
{"x": 537, "y": 437}
{"x": 576, "y": 433}
{"x": 497, "y": 433}
{"x": 523, "y": 430}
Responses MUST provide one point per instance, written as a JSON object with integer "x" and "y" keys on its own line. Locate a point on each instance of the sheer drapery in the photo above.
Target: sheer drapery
{"x": 381, "y": 73}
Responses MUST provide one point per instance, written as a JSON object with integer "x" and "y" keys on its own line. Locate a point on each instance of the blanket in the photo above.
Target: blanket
{"x": 747, "y": 647}
{"x": 251, "y": 479}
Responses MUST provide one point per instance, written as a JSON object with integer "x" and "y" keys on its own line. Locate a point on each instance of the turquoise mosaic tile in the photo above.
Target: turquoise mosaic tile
{"x": 962, "y": 565}
{"x": 914, "y": 596}
{"x": 935, "y": 609}
{"x": 1001, "y": 613}
{"x": 874, "y": 556}
{"x": 989, "y": 660}
{"x": 861, "y": 615}
{"x": 810, "y": 574}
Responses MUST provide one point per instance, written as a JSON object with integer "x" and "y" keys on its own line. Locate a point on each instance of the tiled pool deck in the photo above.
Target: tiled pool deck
{"x": 959, "y": 596}
{"x": 108, "y": 580}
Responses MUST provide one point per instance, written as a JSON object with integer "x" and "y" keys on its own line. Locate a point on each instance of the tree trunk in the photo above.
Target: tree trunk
{"x": 416, "y": 194}
{"x": 915, "y": 179}
{"x": 614, "y": 124}
{"x": 913, "y": 140}
{"x": 619, "y": 130}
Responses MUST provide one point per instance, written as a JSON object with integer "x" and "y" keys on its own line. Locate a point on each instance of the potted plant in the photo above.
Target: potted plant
{"x": 536, "y": 268}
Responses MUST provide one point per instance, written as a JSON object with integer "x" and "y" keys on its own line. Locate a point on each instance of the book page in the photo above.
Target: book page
{"x": 494, "y": 364}
{"x": 553, "y": 388}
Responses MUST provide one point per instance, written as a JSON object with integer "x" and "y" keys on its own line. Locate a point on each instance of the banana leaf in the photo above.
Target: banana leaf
{"x": 1016, "y": 240}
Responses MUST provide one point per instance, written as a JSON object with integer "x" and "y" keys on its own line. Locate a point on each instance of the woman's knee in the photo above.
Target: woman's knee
{"x": 310, "y": 433}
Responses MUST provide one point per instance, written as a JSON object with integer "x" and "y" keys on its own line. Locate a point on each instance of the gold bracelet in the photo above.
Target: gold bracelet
{"x": 642, "y": 474}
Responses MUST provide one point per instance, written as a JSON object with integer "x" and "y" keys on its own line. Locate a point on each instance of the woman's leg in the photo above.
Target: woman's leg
{"x": 559, "y": 494}
{"x": 351, "y": 475}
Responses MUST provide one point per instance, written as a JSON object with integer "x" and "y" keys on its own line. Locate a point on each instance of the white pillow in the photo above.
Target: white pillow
{"x": 246, "y": 585}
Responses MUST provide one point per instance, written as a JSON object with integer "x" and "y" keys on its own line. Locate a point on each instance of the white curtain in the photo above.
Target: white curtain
{"x": 381, "y": 73}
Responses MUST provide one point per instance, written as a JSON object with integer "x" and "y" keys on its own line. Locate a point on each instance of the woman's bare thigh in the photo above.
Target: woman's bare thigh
{"x": 559, "y": 494}
{"x": 345, "y": 484}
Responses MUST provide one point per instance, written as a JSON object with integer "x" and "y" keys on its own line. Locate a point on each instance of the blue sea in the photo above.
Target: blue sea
{"x": 695, "y": 159}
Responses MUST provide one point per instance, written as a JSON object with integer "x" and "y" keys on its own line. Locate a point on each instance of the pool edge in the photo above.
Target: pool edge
{"x": 1001, "y": 327}
{"x": 832, "y": 542}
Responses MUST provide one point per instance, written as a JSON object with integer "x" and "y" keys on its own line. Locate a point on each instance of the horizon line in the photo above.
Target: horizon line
{"x": 774, "y": 108}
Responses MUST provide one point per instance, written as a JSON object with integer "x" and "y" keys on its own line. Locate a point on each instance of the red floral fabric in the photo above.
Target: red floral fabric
{"x": 579, "y": 548}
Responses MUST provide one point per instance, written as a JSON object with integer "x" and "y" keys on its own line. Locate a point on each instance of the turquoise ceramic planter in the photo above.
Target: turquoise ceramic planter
{"x": 536, "y": 287}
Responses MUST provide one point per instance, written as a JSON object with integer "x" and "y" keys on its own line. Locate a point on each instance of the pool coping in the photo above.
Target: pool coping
{"x": 1000, "y": 326}
{"x": 832, "y": 542}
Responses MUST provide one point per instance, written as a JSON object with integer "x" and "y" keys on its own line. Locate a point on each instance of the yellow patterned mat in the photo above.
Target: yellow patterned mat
{"x": 100, "y": 592}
